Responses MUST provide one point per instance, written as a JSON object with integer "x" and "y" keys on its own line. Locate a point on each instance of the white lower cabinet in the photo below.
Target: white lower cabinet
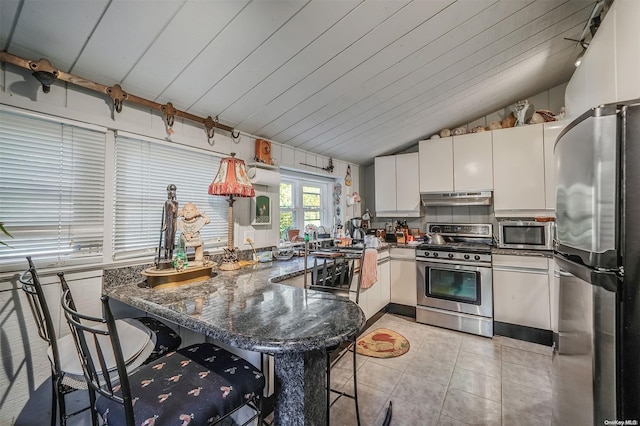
{"x": 376, "y": 297}
{"x": 403, "y": 277}
{"x": 521, "y": 290}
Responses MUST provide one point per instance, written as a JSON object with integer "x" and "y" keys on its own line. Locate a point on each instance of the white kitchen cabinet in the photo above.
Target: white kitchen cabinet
{"x": 376, "y": 297}
{"x": 456, "y": 164}
{"x": 403, "y": 277}
{"x": 436, "y": 165}
{"x": 551, "y": 132}
{"x": 608, "y": 72}
{"x": 397, "y": 189}
{"x": 518, "y": 170}
{"x": 472, "y": 162}
{"x": 384, "y": 281}
{"x": 521, "y": 290}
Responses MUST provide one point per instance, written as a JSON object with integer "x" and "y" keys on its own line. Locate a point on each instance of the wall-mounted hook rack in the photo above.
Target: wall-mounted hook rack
{"x": 47, "y": 74}
{"x": 328, "y": 168}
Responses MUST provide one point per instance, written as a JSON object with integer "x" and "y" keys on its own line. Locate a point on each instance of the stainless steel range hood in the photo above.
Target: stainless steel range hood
{"x": 481, "y": 198}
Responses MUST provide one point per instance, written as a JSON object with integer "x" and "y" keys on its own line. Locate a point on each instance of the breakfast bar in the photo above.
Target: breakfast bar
{"x": 247, "y": 309}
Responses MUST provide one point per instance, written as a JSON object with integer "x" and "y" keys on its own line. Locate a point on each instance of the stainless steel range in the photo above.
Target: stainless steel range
{"x": 454, "y": 283}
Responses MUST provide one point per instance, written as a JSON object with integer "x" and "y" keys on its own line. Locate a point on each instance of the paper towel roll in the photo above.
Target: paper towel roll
{"x": 265, "y": 177}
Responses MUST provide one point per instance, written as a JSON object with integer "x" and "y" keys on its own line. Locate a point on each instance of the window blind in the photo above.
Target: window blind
{"x": 51, "y": 190}
{"x": 143, "y": 170}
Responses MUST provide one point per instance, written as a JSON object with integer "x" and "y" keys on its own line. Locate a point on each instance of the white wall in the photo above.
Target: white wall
{"x": 611, "y": 65}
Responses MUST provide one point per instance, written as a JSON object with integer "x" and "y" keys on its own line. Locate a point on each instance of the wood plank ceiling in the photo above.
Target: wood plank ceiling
{"x": 348, "y": 79}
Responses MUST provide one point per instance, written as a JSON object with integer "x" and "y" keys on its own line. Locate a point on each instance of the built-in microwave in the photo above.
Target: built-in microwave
{"x": 525, "y": 234}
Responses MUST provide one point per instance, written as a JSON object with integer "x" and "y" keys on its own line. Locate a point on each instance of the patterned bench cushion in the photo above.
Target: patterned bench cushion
{"x": 195, "y": 385}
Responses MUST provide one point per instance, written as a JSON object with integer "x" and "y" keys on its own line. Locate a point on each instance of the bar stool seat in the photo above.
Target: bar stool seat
{"x": 197, "y": 385}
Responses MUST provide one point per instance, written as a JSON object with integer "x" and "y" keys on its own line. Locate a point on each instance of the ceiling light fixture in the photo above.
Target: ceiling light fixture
{"x": 579, "y": 59}
{"x": 584, "y": 46}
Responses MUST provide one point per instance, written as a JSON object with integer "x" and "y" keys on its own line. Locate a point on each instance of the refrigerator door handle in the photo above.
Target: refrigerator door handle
{"x": 606, "y": 279}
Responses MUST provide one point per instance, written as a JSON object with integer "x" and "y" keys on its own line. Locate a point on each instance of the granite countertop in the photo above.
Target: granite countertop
{"x": 247, "y": 308}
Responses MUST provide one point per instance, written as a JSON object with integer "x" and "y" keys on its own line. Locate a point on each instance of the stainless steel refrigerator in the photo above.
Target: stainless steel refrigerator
{"x": 596, "y": 365}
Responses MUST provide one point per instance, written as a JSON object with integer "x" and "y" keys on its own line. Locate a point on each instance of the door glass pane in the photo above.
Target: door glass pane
{"x": 312, "y": 217}
{"x": 286, "y": 195}
{"x": 286, "y": 222}
{"x": 454, "y": 285}
{"x": 310, "y": 197}
{"x": 524, "y": 235}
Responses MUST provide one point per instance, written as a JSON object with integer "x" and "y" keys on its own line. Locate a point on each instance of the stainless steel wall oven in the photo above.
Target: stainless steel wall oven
{"x": 454, "y": 280}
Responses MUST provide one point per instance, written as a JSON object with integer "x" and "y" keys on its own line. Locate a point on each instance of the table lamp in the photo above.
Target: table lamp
{"x": 231, "y": 181}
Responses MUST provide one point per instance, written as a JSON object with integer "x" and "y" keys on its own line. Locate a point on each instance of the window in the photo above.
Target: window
{"x": 144, "y": 169}
{"x": 51, "y": 190}
{"x": 303, "y": 202}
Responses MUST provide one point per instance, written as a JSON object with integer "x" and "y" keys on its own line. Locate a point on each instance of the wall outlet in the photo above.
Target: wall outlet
{"x": 250, "y": 235}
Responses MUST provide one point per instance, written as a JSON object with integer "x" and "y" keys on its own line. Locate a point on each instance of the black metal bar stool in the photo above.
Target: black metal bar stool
{"x": 337, "y": 278}
{"x": 201, "y": 384}
{"x": 66, "y": 372}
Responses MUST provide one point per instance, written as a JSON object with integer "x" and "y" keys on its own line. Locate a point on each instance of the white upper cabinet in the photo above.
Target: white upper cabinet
{"x": 436, "y": 165}
{"x": 472, "y": 162}
{"x": 518, "y": 169}
{"x": 385, "y": 185}
{"x": 609, "y": 68}
{"x": 551, "y": 132}
{"x": 408, "y": 192}
{"x": 396, "y": 185}
{"x": 456, "y": 164}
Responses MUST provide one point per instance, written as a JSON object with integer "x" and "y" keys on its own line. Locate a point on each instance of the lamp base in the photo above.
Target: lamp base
{"x": 229, "y": 266}
{"x": 229, "y": 260}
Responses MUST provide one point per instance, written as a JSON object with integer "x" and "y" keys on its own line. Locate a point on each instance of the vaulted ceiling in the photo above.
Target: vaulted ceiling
{"x": 348, "y": 79}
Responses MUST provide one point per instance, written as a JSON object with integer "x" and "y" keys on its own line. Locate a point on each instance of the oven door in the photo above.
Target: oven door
{"x": 458, "y": 288}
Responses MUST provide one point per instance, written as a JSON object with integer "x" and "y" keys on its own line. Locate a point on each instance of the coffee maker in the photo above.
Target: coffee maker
{"x": 356, "y": 230}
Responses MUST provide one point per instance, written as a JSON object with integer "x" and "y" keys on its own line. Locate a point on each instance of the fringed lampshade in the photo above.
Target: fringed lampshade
{"x": 231, "y": 181}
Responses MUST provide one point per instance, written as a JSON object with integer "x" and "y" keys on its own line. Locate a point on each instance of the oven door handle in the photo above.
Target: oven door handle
{"x": 519, "y": 269}
{"x": 451, "y": 267}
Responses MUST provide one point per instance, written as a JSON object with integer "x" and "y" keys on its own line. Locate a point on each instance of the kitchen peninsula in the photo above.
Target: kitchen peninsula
{"x": 247, "y": 309}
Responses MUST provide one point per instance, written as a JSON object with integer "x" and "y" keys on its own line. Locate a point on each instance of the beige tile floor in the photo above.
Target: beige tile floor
{"x": 449, "y": 378}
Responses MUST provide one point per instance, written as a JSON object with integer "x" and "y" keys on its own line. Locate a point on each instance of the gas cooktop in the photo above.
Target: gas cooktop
{"x": 472, "y": 247}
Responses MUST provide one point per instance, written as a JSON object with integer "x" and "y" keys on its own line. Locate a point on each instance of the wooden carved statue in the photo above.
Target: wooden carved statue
{"x": 192, "y": 220}
{"x": 168, "y": 228}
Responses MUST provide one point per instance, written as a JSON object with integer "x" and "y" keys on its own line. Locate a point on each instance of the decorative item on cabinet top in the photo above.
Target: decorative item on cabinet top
{"x": 263, "y": 151}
